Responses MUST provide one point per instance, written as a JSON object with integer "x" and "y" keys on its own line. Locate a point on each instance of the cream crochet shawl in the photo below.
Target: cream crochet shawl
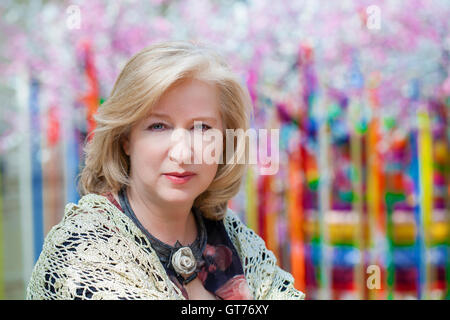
{"x": 96, "y": 251}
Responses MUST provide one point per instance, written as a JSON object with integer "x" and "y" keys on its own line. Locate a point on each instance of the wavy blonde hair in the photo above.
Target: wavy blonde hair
{"x": 141, "y": 83}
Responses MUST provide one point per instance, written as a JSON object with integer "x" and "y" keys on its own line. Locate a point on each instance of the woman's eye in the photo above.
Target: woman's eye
{"x": 161, "y": 126}
{"x": 204, "y": 127}
{"x": 157, "y": 126}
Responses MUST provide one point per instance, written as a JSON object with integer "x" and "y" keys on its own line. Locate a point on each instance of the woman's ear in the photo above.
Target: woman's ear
{"x": 125, "y": 145}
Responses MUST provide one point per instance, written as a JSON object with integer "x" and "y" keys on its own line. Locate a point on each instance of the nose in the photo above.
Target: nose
{"x": 181, "y": 147}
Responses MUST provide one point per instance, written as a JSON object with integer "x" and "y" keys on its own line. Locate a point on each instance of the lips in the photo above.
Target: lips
{"x": 179, "y": 177}
{"x": 180, "y": 174}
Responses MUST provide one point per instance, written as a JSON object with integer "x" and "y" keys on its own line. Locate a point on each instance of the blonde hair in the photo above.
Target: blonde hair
{"x": 141, "y": 83}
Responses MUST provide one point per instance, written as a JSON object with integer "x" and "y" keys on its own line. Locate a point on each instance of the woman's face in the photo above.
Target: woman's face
{"x": 156, "y": 147}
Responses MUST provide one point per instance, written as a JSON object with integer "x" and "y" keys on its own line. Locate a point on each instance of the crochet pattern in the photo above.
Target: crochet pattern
{"x": 97, "y": 252}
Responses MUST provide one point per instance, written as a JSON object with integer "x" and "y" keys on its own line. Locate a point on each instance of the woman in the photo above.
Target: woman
{"x": 153, "y": 221}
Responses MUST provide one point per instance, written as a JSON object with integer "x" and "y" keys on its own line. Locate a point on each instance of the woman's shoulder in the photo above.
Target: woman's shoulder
{"x": 248, "y": 243}
{"x": 238, "y": 229}
{"x": 83, "y": 220}
{"x": 265, "y": 278}
{"x": 94, "y": 208}
{"x": 231, "y": 217}
{"x": 92, "y": 219}
{"x": 93, "y": 240}
{"x": 91, "y": 203}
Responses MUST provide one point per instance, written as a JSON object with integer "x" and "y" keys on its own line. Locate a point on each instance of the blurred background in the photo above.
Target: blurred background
{"x": 360, "y": 90}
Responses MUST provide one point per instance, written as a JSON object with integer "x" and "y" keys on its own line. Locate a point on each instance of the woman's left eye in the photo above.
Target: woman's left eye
{"x": 204, "y": 127}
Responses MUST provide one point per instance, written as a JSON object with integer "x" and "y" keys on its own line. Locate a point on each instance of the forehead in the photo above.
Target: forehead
{"x": 187, "y": 99}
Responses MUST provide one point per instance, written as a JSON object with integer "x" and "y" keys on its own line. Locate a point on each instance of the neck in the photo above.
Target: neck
{"x": 166, "y": 221}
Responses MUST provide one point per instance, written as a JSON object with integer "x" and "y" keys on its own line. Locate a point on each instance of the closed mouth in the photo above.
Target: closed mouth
{"x": 177, "y": 174}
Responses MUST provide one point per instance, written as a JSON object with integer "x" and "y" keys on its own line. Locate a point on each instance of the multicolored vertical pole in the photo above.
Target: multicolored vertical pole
{"x": 356, "y": 137}
{"x": 420, "y": 242}
{"x": 2, "y": 240}
{"x": 295, "y": 215}
{"x": 376, "y": 221}
{"x": 356, "y": 156}
{"x": 53, "y": 194}
{"x": 272, "y": 217}
{"x": 426, "y": 183}
{"x": 92, "y": 97}
{"x": 324, "y": 200}
{"x": 251, "y": 204}
{"x": 447, "y": 189}
{"x": 36, "y": 169}
{"x": 309, "y": 127}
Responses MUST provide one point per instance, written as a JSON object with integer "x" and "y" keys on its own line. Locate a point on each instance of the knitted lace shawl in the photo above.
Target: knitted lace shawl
{"x": 97, "y": 252}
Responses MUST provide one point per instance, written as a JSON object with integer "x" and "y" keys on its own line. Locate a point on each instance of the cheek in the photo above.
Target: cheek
{"x": 208, "y": 172}
{"x": 148, "y": 154}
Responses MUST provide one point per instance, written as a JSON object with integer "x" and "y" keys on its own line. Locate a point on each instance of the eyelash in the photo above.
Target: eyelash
{"x": 151, "y": 127}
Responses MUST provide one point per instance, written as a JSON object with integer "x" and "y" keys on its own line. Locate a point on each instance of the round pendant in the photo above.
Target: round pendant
{"x": 184, "y": 262}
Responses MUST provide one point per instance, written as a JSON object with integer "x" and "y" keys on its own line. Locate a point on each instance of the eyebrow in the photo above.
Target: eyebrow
{"x": 165, "y": 116}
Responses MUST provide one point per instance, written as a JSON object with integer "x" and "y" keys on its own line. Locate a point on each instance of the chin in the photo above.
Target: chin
{"x": 181, "y": 196}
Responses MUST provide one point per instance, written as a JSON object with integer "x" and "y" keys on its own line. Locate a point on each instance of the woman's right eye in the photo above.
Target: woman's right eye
{"x": 157, "y": 126}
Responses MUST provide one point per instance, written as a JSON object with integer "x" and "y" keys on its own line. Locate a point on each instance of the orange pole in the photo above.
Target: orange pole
{"x": 295, "y": 214}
